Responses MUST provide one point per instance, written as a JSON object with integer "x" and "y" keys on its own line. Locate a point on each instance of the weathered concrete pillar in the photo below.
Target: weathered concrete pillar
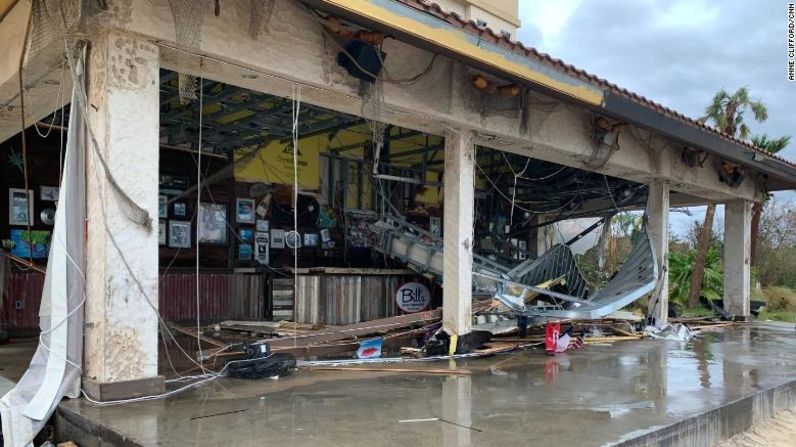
{"x": 658, "y": 228}
{"x": 737, "y": 253}
{"x": 459, "y": 178}
{"x": 121, "y": 336}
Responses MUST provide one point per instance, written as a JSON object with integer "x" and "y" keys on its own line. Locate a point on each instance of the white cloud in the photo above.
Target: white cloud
{"x": 677, "y": 52}
{"x": 549, "y": 17}
{"x": 685, "y": 14}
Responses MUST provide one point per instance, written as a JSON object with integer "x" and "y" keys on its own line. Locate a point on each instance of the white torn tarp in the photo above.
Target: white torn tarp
{"x": 55, "y": 369}
{"x": 669, "y": 331}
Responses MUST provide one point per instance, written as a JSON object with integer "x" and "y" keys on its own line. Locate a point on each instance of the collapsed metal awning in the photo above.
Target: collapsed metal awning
{"x": 514, "y": 285}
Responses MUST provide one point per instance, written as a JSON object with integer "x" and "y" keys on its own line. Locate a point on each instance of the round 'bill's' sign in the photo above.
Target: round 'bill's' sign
{"x": 412, "y": 297}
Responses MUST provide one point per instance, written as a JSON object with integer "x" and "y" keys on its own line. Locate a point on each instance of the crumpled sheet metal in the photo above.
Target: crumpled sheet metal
{"x": 635, "y": 279}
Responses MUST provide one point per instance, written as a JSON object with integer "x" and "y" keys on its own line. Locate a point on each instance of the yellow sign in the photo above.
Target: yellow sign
{"x": 274, "y": 164}
{"x": 427, "y": 28}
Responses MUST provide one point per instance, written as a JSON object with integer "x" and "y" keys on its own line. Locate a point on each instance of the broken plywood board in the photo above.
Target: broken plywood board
{"x": 356, "y": 330}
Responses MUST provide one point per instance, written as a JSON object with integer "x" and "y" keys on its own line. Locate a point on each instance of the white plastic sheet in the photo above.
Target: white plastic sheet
{"x": 54, "y": 371}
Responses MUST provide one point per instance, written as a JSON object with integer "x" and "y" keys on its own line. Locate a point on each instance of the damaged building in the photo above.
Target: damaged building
{"x": 195, "y": 183}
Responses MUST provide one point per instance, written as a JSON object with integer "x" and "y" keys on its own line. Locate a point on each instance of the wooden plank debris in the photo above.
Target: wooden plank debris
{"x": 356, "y": 330}
{"x": 192, "y": 333}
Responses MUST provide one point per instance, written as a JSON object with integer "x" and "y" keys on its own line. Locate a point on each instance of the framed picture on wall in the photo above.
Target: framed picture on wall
{"x": 277, "y": 238}
{"x": 30, "y": 244}
{"x": 163, "y": 207}
{"x": 49, "y": 193}
{"x": 310, "y": 239}
{"x": 246, "y": 235}
{"x": 245, "y": 208}
{"x": 20, "y": 207}
{"x": 179, "y": 234}
{"x": 261, "y": 244}
{"x": 180, "y": 209}
{"x": 212, "y": 220}
{"x": 245, "y": 252}
{"x": 162, "y": 232}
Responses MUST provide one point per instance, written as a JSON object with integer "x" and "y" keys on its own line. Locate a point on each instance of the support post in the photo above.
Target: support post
{"x": 121, "y": 330}
{"x": 737, "y": 254}
{"x": 658, "y": 228}
{"x": 457, "y": 282}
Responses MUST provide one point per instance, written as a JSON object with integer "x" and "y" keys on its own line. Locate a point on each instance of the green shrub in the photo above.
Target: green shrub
{"x": 780, "y": 298}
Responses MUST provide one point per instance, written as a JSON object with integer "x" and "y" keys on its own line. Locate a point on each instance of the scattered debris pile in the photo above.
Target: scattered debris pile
{"x": 257, "y": 349}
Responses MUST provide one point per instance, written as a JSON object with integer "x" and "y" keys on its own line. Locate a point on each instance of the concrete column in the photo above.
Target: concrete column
{"x": 658, "y": 228}
{"x": 121, "y": 335}
{"x": 457, "y": 233}
{"x": 737, "y": 253}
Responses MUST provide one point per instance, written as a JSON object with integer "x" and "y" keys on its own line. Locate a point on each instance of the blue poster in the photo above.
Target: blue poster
{"x": 245, "y": 252}
{"x": 37, "y": 239}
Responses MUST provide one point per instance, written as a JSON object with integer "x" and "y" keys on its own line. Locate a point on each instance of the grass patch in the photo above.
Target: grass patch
{"x": 780, "y": 304}
{"x": 780, "y": 299}
{"x": 777, "y": 315}
{"x": 698, "y": 312}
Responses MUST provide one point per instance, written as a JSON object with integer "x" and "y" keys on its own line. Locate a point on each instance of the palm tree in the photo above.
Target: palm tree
{"x": 726, "y": 113}
{"x": 772, "y": 146}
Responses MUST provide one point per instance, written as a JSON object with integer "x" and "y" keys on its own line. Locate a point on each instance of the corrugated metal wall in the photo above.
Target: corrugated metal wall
{"x": 21, "y": 300}
{"x": 328, "y": 299}
{"x": 347, "y": 299}
{"x": 341, "y": 298}
{"x": 223, "y": 296}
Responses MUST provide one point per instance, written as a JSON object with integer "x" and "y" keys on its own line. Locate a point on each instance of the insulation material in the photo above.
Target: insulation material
{"x": 55, "y": 370}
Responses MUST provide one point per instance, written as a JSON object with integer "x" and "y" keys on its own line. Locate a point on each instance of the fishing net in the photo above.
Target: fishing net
{"x": 188, "y": 19}
{"x": 47, "y": 23}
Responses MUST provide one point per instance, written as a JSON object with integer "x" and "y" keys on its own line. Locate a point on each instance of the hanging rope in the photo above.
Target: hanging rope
{"x": 131, "y": 209}
{"x": 28, "y": 204}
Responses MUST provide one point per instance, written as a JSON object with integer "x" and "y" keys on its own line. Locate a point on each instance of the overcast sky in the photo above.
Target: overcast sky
{"x": 675, "y": 52}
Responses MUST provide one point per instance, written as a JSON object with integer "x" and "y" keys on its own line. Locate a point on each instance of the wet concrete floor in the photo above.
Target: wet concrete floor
{"x": 596, "y": 396}
{"x": 14, "y": 360}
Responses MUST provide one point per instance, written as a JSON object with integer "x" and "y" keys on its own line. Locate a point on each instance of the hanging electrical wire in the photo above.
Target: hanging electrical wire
{"x": 296, "y": 115}
{"x": 198, "y": 205}
{"x": 59, "y": 103}
{"x": 509, "y": 199}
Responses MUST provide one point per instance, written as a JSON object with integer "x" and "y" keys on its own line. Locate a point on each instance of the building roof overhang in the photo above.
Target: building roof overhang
{"x": 427, "y": 26}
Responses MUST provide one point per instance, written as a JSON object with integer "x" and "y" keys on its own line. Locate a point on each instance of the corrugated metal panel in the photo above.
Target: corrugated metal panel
{"x": 343, "y": 297}
{"x": 309, "y": 303}
{"x": 346, "y": 299}
{"x": 222, "y": 296}
{"x": 379, "y": 296}
{"x": 248, "y": 296}
{"x": 21, "y": 300}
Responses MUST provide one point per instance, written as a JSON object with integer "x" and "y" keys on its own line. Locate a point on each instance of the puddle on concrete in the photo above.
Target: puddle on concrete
{"x": 594, "y": 396}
